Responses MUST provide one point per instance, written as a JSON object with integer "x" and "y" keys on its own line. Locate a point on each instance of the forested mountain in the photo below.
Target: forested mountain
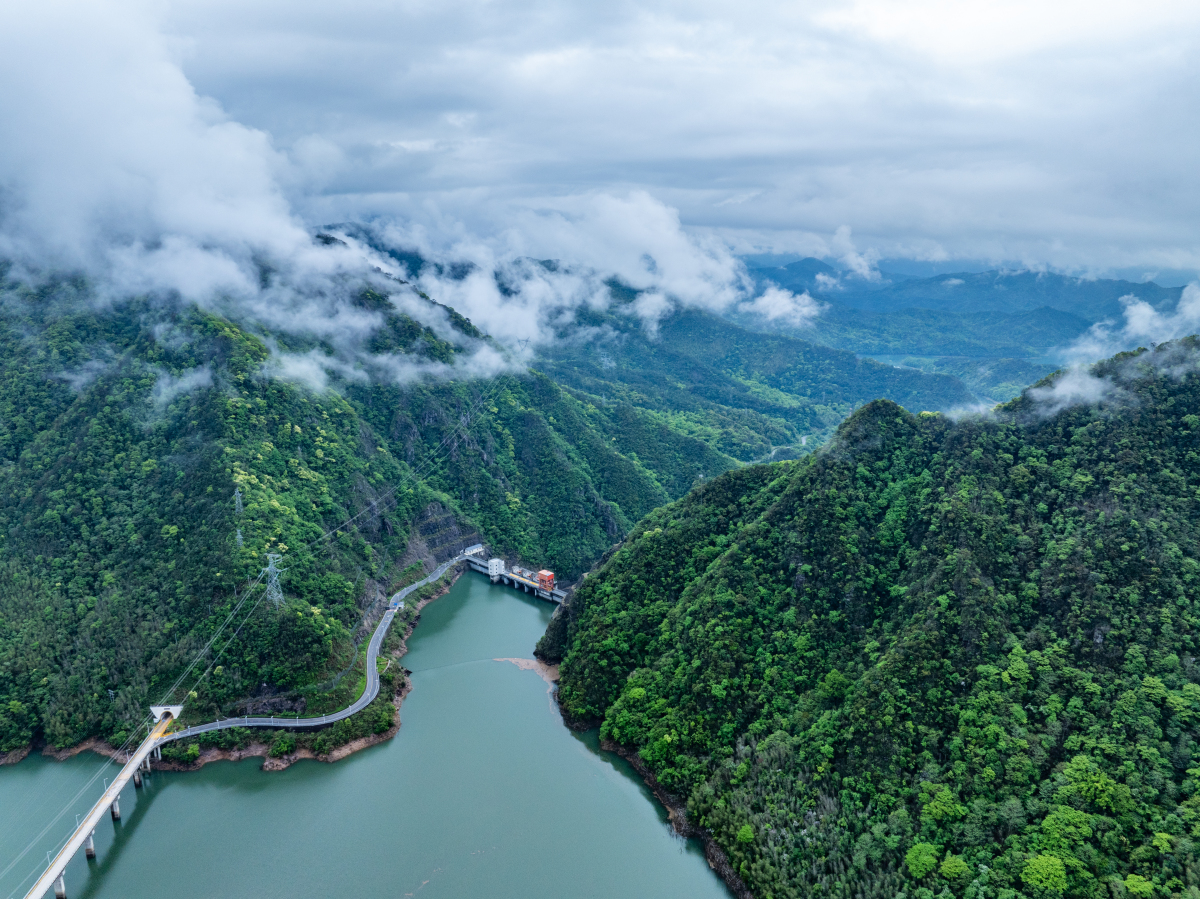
{"x": 937, "y": 658}
{"x": 126, "y": 428}
{"x": 125, "y": 433}
{"x": 744, "y": 393}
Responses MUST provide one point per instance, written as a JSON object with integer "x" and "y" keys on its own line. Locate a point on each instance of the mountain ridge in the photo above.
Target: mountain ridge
{"x": 924, "y": 660}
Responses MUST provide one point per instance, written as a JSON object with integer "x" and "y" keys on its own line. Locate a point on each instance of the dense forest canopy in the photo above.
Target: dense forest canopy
{"x": 745, "y": 393}
{"x": 940, "y": 658}
{"x": 127, "y": 427}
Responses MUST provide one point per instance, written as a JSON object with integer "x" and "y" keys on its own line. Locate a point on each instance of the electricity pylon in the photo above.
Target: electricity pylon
{"x": 237, "y": 508}
{"x": 274, "y": 591}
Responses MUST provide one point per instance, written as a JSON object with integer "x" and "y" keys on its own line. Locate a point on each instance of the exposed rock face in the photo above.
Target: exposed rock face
{"x": 437, "y": 535}
{"x": 268, "y": 705}
{"x": 442, "y": 533}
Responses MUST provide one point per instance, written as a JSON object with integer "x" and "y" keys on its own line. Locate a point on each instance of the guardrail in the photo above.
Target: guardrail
{"x": 367, "y": 697}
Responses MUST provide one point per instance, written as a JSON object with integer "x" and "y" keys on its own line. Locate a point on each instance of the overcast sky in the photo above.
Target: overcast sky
{"x": 1061, "y": 133}
{"x": 172, "y": 144}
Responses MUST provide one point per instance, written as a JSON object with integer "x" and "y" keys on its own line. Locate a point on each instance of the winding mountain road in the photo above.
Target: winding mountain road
{"x": 53, "y": 874}
{"x": 368, "y": 695}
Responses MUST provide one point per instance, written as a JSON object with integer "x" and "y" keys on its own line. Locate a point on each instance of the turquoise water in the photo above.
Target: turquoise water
{"x": 483, "y": 793}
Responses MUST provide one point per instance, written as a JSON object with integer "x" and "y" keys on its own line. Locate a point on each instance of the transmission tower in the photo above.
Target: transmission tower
{"x": 237, "y": 507}
{"x": 274, "y": 591}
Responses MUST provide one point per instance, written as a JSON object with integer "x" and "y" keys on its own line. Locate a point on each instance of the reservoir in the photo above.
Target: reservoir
{"x": 483, "y": 793}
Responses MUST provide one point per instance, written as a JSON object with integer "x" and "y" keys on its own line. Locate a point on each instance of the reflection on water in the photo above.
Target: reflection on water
{"x": 484, "y": 793}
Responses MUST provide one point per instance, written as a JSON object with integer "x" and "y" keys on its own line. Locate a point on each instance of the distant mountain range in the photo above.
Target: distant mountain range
{"x": 1091, "y": 300}
{"x": 999, "y": 330}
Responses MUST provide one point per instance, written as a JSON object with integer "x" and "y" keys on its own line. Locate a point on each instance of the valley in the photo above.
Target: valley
{"x": 743, "y": 627}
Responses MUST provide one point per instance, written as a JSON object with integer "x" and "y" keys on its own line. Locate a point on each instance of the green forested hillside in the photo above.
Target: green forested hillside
{"x": 744, "y": 393}
{"x": 126, "y": 428}
{"x": 937, "y": 659}
{"x": 125, "y": 433}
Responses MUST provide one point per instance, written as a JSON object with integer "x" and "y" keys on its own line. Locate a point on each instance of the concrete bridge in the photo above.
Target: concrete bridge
{"x": 165, "y": 716}
{"x": 109, "y": 802}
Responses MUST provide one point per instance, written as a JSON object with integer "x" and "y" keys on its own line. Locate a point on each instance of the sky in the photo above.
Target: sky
{"x": 1050, "y": 134}
{"x": 170, "y": 145}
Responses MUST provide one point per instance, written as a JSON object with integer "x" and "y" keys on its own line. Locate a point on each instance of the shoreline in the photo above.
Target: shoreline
{"x": 16, "y": 755}
{"x": 548, "y": 673}
{"x": 676, "y": 808}
{"x": 256, "y": 749}
{"x": 718, "y": 861}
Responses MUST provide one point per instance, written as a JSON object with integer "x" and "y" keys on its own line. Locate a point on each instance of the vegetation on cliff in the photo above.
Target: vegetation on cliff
{"x": 940, "y": 658}
{"x": 129, "y": 429}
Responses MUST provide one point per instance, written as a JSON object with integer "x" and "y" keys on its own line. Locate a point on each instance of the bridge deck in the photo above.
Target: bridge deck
{"x": 111, "y": 795}
{"x": 158, "y": 735}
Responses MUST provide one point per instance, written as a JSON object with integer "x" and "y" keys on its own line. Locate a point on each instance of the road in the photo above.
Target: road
{"x": 367, "y": 697}
{"x": 158, "y": 735}
{"x": 112, "y": 793}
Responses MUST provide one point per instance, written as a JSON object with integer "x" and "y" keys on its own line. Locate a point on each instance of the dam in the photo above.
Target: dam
{"x": 540, "y": 583}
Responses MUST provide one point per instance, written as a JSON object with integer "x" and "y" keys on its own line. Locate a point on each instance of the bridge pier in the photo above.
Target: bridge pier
{"x": 137, "y": 779}
{"x": 60, "y": 888}
{"x": 116, "y": 810}
{"x": 89, "y": 848}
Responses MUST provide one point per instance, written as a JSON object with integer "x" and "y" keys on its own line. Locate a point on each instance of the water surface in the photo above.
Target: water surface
{"x": 483, "y": 793}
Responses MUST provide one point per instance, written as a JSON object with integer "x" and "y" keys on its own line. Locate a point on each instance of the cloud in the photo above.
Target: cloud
{"x": 168, "y": 387}
{"x": 1084, "y": 383}
{"x": 932, "y": 129}
{"x": 312, "y": 369}
{"x": 1141, "y": 325}
{"x": 83, "y": 375}
{"x": 1078, "y": 386}
{"x": 192, "y": 149}
{"x": 110, "y": 160}
{"x": 828, "y": 282}
{"x": 317, "y": 369}
{"x": 776, "y": 304}
{"x": 861, "y": 264}
{"x": 113, "y": 164}
{"x": 513, "y": 285}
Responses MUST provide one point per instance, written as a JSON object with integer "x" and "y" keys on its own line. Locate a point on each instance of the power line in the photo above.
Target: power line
{"x": 415, "y": 473}
{"x": 135, "y": 731}
{"x": 273, "y": 590}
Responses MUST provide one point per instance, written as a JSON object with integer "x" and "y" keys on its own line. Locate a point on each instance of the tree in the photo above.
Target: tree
{"x": 921, "y": 859}
{"x": 954, "y": 868}
{"x": 1045, "y": 875}
{"x": 1139, "y": 886}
